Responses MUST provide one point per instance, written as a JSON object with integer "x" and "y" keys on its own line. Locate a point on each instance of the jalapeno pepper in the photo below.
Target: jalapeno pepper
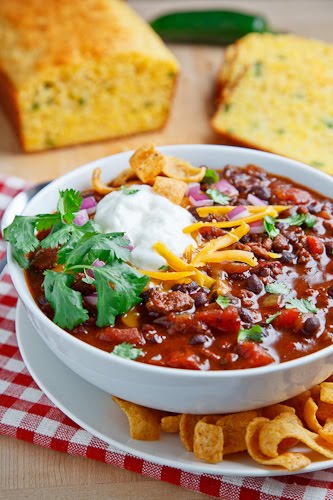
{"x": 209, "y": 27}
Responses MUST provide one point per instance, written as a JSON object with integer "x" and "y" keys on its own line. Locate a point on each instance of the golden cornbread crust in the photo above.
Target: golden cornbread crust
{"x": 275, "y": 92}
{"x": 79, "y": 71}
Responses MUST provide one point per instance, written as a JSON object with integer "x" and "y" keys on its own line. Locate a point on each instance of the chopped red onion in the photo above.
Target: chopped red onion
{"x": 197, "y": 197}
{"x": 193, "y": 187}
{"x": 226, "y": 188}
{"x": 254, "y": 200}
{"x": 130, "y": 248}
{"x": 257, "y": 227}
{"x": 238, "y": 213}
{"x": 81, "y": 217}
{"x": 205, "y": 202}
{"x": 89, "y": 204}
{"x": 91, "y": 299}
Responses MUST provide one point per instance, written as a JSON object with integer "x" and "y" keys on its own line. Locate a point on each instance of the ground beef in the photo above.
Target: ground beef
{"x": 44, "y": 258}
{"x": 167, "y": 302}
{"x": 80, "y": 286}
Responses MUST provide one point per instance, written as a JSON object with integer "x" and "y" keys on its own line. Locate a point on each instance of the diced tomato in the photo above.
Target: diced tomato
{"x": 119, "y": 335}
{"x": 254, "y": 354}
{"x": 293, "y": 195}
{"x": 226, "y": 320}
{"x": 287, "y": 319}
{"x": 316, "y": 247}
{"x": 184, "y": 360}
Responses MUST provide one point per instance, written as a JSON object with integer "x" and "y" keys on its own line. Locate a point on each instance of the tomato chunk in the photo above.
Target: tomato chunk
{"x": 119, "y": 335}
{"x": 287, "y": 319}
{"x": 255, "y": 354}
{"x": 186, "y": 360}
{"x": 226, "y": 320}
{"x": 291, "y": 194}
{"x": 316, "y": 247}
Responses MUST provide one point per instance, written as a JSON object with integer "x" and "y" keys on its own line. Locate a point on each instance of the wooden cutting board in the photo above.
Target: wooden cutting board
{"x": 194, "y": 99}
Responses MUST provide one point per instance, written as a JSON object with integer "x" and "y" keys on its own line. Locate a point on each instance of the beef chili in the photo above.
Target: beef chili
{"x": 274, "y": 308}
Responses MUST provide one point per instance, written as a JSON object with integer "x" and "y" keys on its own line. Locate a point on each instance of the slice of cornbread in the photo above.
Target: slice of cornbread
{"x": 73, "y": 72}
{"x": 277, "y": 95}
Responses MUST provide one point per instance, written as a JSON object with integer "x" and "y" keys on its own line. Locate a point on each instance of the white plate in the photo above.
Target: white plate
{"x": 94, "y": 410}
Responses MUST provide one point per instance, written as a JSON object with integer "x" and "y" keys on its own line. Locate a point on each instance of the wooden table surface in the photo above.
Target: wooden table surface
{"x": 31, "y": 472}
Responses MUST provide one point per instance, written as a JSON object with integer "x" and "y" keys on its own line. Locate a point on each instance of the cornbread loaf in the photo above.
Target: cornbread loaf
{"x": 276, "y": 94}
{"x": 78, "y": 71}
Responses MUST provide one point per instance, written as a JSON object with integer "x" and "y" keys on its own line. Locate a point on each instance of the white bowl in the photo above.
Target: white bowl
{"x": 172, "y": 389}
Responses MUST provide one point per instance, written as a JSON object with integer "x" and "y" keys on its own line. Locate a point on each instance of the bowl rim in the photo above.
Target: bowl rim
{"x": 18, "y": 278}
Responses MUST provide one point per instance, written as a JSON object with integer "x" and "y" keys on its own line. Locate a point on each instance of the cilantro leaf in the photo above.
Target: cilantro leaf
{"x": 223, "y": 302}
{"x": 69, "y": 202}
{"x": 66, "y": 303}
{"x": 20, "y": 257}
{"x": 299, "y": 219}
{"x": 127, "y": 351}
{"x": 303, "y": 305}
{"x": 218, "y": 197}
{"x": 46, "y": 221}
{"x": 106, "y": 247}
{"x": 278, "y": 288}
{"x": 77, "y": 232}
{"x": 21, "y": 234}
{"x": 163, "y": 268}
{"x": 211, "y": 176}
{"x": 59, "y": 235}
{"x": 127, "y": 190}
{"x": 124, "y": 293}
{"x": 272, "y": 318}
{"x": 269, "y": 224}
{"x": 254, "y": 334}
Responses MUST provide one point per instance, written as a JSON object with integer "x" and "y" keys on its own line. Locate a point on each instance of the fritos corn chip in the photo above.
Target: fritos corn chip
{"x": 170, "y": 423}
{"x": 147, "y": 163}
{"x": 123, "y": 177}
{"x": 98, "y": 184}
{"x": 144, "y": 422}
{"x": 186, "y": 429}
{"x": 327, "y": 431}
{"x": 288, "y": 460}
{"x": 234, "y": 429}
{"x": 310, "y": 415}
{"x": 182, "y": 170}
{"x": 172, "y": 189}
{"x": 286, "y": 426}
{"x": 208, "y": 442}
{"x": 326, "y": 392}
{"x": 275, "y": 410}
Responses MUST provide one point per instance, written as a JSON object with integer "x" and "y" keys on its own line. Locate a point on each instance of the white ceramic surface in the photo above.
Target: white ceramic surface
{"x": 94, "y": 410}
{"x": 169, "y": 388}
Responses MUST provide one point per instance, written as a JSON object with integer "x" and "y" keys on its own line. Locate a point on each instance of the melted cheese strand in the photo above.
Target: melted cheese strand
{"x": 166, "y": 276}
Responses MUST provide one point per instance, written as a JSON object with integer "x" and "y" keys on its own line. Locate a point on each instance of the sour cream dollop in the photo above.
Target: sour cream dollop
{"x": 146, "y": 218}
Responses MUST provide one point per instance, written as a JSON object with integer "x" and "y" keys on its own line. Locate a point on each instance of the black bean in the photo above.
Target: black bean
{"x": 264, "y": 272}
{"x": 200, "y": 298}
{"x": 199, "y": 339}
{"x": 42, "y": 300}
{"x": 145, "y": 296}
{"x": 329, "y": 248}
{"x": 186, "y": 288}
{"x": 262, "y": 192}
{"x": 254, "y": 284}
{"x": 245, "y": 315}
{"x": 287, "y": 257}
{"x": 330, "y": 292}
{"x": 246, "y": 238}
{"x": 311, "y": 326}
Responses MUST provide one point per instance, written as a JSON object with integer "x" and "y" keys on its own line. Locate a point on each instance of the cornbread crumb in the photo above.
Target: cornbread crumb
{"x": 276, "y": 94}
{"x": 73, "y": 72}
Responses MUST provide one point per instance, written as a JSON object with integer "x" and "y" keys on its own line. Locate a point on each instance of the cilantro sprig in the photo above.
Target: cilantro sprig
{"x": 127, "y": 351}
{"x": 128, "y": 191}
{"x": 278, "y": 288}
{"x": 303, "y": 305}
{"x": 300, "y": 219}
{"x": 254, "y": 334}
{"x": 218, "y": 197}
{"x": 269, "y": 225}
{"x": 118, "y": 284}
{"x": 223, "y": 302}
{"x": 211, "y": 176}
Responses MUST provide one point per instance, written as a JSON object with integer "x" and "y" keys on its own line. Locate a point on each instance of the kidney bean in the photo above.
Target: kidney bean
{"x": 254, "y": 284}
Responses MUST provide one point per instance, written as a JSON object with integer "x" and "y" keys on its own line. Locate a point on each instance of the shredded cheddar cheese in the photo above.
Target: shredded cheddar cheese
{"x": 232, "y": 256}
{"x": 274, "y": 255}
{"x": 232, "y": 223}
{"x": 216, "y": 244}
{"x": 179, "y": 265}
{"x": 222, "y": 210}
{"x": 167, "y": 276}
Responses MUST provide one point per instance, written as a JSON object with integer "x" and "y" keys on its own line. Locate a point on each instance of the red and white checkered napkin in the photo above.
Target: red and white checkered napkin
{"x": 26, "y": 413}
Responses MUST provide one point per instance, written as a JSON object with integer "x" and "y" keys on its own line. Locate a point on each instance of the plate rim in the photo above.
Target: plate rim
{"x": 261, "y": 471}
